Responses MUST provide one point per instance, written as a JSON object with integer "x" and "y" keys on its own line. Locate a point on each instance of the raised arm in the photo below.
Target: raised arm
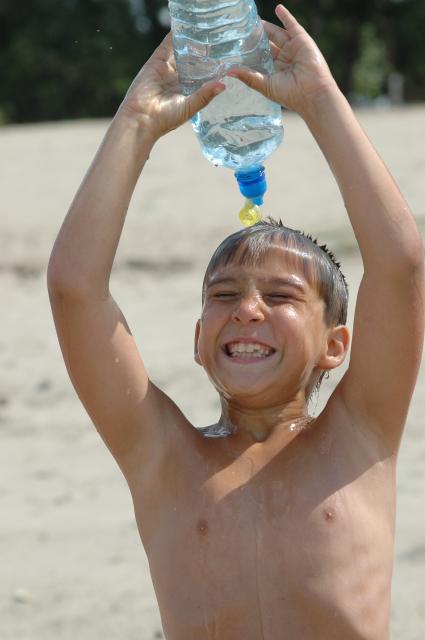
{"x": 98, "y": 348}
{"x": 389, "y": 319}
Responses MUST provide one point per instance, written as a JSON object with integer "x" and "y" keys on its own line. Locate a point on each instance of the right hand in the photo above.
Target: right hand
{"x": 301, "y": 70}
{"x": 154, "y": 98}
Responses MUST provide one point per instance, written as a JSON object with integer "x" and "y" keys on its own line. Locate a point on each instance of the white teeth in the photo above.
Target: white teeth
{"x": 252, "y": 348}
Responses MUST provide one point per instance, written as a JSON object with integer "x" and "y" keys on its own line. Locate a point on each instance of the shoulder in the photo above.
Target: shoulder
{"x": 164, "y": 456}
{"x": 355, "y": 430}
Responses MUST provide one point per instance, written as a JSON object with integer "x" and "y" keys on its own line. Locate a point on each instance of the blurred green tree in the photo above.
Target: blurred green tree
{"x": 336, "y": 26}
{"x": 371, "y": 68}
{"x": 405, "y": 29}
{"x": 76, "y": 58}
{"x": 68, "y": 59}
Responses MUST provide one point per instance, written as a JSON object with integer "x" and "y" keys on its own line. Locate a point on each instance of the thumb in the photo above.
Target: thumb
{"x": 201, "y": 98}
{"x": 253, "y": 79}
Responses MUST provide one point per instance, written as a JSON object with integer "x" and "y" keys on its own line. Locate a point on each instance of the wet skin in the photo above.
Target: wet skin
{"x": 272, "y": 532}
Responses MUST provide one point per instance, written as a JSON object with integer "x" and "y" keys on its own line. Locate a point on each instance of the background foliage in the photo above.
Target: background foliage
{"x": 76, "y": 58}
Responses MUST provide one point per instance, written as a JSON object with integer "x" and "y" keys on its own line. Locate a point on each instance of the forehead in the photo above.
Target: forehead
{"x": 279, "y": 262}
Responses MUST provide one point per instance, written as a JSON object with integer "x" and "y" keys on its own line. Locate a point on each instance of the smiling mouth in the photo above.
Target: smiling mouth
{"x": 248, "y": 350}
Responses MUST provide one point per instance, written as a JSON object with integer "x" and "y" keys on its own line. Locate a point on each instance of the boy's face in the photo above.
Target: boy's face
{"x": 262, "y": 332}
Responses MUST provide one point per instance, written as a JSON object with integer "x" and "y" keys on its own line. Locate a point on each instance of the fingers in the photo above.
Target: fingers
{"x": 291, "y": 25}
{"x": 168, "y": 39}
{"x": 252, "y": 79}
{"x": 166, "y": 44}
{"x": 275, "y": 50}
{"x": 276, "y": 34}
{"x": 165, "y": 49}
{"x": 201, "y": 98}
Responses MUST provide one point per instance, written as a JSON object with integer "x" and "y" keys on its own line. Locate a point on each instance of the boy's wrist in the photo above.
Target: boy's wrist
{"x": 128, "y": 120}
{"x": 320, "y": 103}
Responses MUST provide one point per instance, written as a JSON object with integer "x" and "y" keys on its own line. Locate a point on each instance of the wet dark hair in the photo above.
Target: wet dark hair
{"x": 251, "y": 245}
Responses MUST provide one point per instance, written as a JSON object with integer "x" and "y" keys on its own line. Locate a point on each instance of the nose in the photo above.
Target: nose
{"x": 248, "y": 310}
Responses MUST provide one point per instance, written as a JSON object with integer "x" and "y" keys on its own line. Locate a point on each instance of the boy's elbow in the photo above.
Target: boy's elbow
{"x": 409, "y": 269}
{"x": 64, "y": 281}
{"x": 414, "y": 257}
{"x": 58, "y": 275}
{"x": 53, "y": 276}
{"x": 408, "y": 256}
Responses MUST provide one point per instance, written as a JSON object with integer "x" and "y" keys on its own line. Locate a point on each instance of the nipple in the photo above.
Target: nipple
{"x": 250, "y": 213}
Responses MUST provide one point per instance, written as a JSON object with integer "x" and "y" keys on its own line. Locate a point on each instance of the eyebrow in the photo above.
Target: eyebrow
{"x": 291, "y": 281}
{"x": 223, "y": 280}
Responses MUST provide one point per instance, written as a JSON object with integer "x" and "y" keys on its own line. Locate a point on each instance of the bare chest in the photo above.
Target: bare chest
{"x": 246, "y": 547}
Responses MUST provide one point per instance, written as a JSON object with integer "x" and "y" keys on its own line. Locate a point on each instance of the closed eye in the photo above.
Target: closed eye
{"x": 279, "y": 296}
{"x": 223, "y": 295}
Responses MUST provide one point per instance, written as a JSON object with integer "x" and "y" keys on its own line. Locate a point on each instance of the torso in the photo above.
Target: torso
{"x": 275, "y": 544}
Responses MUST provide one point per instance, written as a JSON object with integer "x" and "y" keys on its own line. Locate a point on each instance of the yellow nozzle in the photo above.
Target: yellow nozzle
{"x": 250, "y": 214}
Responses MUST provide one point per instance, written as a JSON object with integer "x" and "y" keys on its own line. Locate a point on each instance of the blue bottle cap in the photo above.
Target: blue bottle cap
{"x": 252, "y": 183}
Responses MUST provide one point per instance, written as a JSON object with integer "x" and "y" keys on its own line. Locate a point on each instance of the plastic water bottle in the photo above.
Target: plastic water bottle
{"x": 240, "y": 128}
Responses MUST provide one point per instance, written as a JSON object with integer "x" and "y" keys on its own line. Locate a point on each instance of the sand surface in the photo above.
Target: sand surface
{"x": 71, "y": 563}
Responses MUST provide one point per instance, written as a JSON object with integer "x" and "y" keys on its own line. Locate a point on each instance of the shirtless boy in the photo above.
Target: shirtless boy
{"x": 283, "y": 527}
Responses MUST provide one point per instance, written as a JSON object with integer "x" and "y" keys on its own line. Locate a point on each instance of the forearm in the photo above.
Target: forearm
{"x": 386, "y": 232}
{"x": 85, "y": 248}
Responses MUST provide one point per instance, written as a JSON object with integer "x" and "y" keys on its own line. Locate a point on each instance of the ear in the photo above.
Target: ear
{"x": 196, "y": 352}
{"x": 338, "y": 341}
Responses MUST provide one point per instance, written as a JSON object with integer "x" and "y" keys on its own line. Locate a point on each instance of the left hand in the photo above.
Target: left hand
{"x": 301, "y": 70}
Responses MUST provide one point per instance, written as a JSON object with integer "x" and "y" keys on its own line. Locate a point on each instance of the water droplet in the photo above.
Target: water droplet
{"x": 300, "y": 424}
{"x": 216, "y": 431}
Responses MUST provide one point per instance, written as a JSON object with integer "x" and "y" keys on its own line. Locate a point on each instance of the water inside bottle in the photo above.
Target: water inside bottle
{"x": 212, "y": 22}
{"x": 239, "y": 128}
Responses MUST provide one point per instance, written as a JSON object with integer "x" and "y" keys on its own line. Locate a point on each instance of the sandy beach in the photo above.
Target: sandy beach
{"x": 71, "y": 562}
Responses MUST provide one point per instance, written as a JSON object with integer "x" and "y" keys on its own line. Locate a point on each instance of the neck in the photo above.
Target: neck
{"x": 259, "y": 424}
